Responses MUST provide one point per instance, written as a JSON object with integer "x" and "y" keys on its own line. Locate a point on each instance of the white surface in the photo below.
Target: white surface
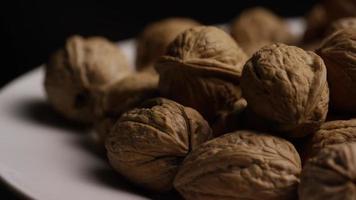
{"x": 44, "y": 157}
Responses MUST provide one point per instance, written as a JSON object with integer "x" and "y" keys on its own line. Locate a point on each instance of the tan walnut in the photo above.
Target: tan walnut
{"x": 76, "y": 70}
{"x": 121, "y": 96}
{"x": 240, "y": 165}
{"x": 202, "y": 69}
{"x": 148, "y": 143}
{"x": 155, "y": 38}
{"x": 333, "y": 132}
{"x": 341, "y": 24}
{"x": 339, "y": 54}
{"x": 330, "y": 174}
{"x": 286, "y": 86}
{"x": 257, "y": 27}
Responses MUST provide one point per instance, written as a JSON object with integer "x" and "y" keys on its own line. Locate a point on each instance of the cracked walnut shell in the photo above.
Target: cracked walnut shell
{"x": 202, "y": 69}
{"x": 339, "y": 54}
{"x": 79, "y": 68}
{"x": 120, "y": 97}
{"x": 147, "y": 144}
{"x": 155, "y": 38}
{"x": 333, "y": 132}
{"x": 286, "y": 86}
{"x": 241, "y": 165}
{"x": 258, "y": 27}
{"x": 330, "y": 174}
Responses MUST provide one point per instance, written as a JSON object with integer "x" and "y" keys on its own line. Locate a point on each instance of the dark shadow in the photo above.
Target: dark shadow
{"x": 112, "y": 179}
{"x": 37, "y": 110}
{"x": 87, "y": 143}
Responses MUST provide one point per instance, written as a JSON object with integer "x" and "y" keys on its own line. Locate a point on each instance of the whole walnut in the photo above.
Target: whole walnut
{"x": 286, "y": 86}
{"x": 257, "y": 27}
{"x": 202, "y": 69}
{"x": 148, "y": 144}
{"x": 121, "y": 96}
{"x": 341, "y": 24}
{"x": 241, "y": 165}
{"x": 339, "y": 54}
{"x": 330, "y": 174}
{"x": 79, "y": 68}
{"x": 333, "y": 132}
{"x": 155, "y": 38}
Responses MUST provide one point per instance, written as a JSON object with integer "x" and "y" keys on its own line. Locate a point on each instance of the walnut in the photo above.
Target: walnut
{"x": 120, "y": 97}
{"x": 333, "y": 132}
{"x": 257, "y": 27}
{"x": 240, "y": 165}
{"x": 155, "y": 38}
{"x": 79, "y": 68}
{"x": 148, "y": 143}
{"x": 341, "y": 24}
{"x": 339, "y": 54}
{"x": 286, "y": 86}
{"x": 330, "y": 174}
{"x": 201, "y": 69}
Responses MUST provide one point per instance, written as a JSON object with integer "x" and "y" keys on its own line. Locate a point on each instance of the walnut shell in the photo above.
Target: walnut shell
{"x": 120, "y": 97}
{"x": 240, "y": 165}
{"x": 148, "y": 144}
{"x": 330, "y": 174}
{"x": 339, "y": 54}
{"x": 257, "y": 27}
{"x": 201, "y": 69}
{"x": 333, "y": 132}
{"x": 341, "y": 24}
{"x": 155, "y": 38}
{"x": 78, "y": 69}
{"x": 286, "y": 86}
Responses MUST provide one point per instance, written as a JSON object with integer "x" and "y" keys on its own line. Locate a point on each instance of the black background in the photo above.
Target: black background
{"x": 31, "y": 30}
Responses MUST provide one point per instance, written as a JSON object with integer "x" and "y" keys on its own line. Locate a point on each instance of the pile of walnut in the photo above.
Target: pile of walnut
{"x": 220, "y": 116}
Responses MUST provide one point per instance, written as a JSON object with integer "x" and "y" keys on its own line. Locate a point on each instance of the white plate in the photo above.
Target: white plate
{"x": 44, "y": 157}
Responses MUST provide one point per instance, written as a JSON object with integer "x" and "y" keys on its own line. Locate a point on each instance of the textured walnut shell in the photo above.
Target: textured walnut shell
{"x": 155, "y": 38}
{"x": 339, "y": 54}
{"x": 286, "y": 86}
{"x": 78, "y": 69}
{"x": 257, "y": 27}
{"x": 330, "y": 174}
{"x": 334, "y": 132}
{"x": 240, "y": 165}
{"x": 122, "y": 96}
{"x": 201, "y": 69}
{"x": 148, "y": 144}
{"x": 341, "y": 24}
